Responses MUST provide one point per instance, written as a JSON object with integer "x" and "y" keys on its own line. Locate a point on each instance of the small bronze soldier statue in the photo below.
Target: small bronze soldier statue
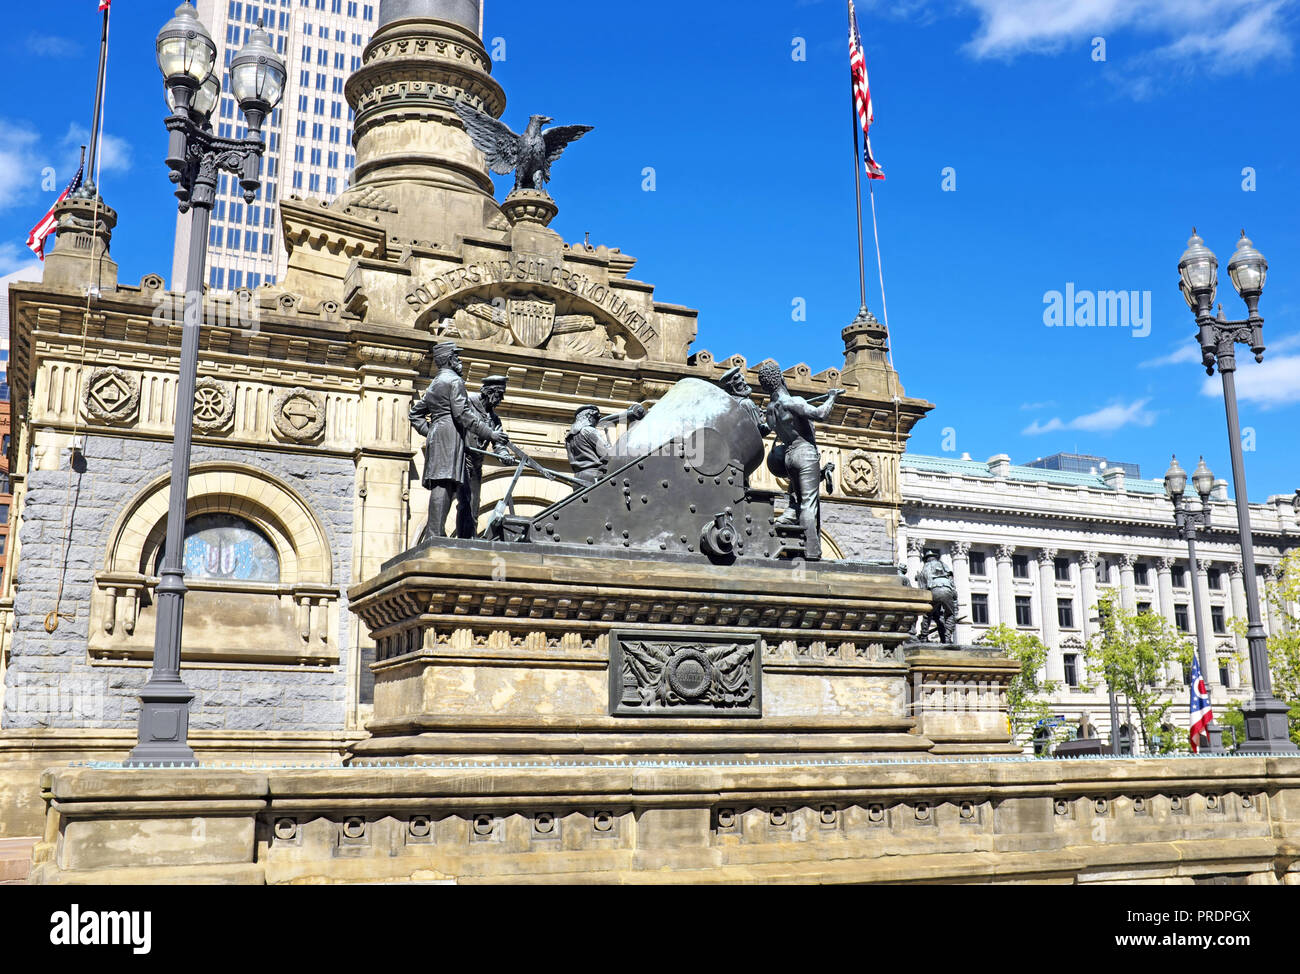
{"x": 937, "y": 578}
{"x": 490, "y": 395}
{"x": 444, "y": 417}
{"x": 792, "y": 418}
{"x": 585, "y": 444}
{"x": 733, "y": 380}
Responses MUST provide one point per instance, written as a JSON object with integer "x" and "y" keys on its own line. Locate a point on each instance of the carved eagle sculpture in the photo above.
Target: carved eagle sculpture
{"x": 528, "y": 156}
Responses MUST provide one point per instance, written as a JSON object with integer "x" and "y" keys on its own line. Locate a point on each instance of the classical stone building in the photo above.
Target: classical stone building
{"x": 305, "y": 466}
{"x": 1032, "y": 548}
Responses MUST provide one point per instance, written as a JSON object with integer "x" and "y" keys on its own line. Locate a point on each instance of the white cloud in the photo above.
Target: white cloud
{"x": 1105, "y": 420}
{"x": 114, "y": 153}
{"x": 1217, "y": 35}
{"x": 17, "y": 259}
{"x": 1274, "y": 383}
{"x": 20, "y": 166}
{"x": 1032, "y": 407}
{"x": 1187, "y": 353}
{"x": 48, "y": 45}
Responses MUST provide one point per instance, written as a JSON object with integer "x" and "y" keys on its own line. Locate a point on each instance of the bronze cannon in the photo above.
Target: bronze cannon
{"x": 678, "y": 483}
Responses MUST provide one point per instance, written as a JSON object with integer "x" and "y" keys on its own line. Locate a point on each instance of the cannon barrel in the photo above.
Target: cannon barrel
{"x": 701, "y": 423}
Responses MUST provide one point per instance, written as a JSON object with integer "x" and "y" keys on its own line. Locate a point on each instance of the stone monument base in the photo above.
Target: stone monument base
{"x": 1179, "y": 820}
{"x": 524, "y": 652}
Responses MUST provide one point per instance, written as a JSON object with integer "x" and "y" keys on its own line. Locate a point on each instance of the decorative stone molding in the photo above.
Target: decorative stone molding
{"x": 1165, "y": 564}
{"x": 1087, "y": 559}
{"x": 1128, "y": 560}
{"x": 1235, "y": 570}
{"x": 299, "y": 415}
{"x": 408, "y": 358}
{"x": 530, "y": 207}
{"x": 1006, "y": 552}
{"x": 861, "y": 477}
{"x": 959, "y": 549}
{"x": 214, "y": 405}
{"x": 112, "y": 395}
{"x": 684, "y": 674}
{"x": 916, "y": 545}
{"x": 1047, "y": 556}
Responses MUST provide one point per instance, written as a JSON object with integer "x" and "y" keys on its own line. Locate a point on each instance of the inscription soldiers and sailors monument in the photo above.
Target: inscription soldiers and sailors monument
{"x": 471, "y": 496}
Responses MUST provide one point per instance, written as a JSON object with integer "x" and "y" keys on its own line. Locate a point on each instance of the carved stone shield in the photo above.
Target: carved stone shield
{"x": 531, "y": 320}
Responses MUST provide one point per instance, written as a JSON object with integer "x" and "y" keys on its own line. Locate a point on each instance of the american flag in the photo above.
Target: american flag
{"x": 862, "y": 91}
{"x": 47, "y": 223}
{"x": 1202, "y": 712}
{"x": 103, "y": 4}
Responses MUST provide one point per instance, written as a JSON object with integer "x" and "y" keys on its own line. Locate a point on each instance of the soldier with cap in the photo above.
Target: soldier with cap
{"x": 937, "y": 578}
{"x": 733, "y": 380}
{"x": 445, "y": 418}
{"x": 585, "y": 444}
{"x": 490, "y": 395}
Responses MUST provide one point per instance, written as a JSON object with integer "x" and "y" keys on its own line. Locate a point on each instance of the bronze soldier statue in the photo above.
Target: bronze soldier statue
{"x": 585, "y": 444}
{"x": 733, "y": 380}
{"x": 792, "y": 418}
{"x": 444, "y": 417}
{"x": 937, "y": 578}
{"x": 490, "y": 395}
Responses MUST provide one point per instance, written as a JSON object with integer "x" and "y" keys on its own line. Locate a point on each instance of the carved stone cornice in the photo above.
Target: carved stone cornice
{"x": 1046, "y": 556}
{"x": 1086, "y": 559}
{"x": 959, "y": 549}
{"x": 1005, "y": 552}
{"x": 1165, "y": 564}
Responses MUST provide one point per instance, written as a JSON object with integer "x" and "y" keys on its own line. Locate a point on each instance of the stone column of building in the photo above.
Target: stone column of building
{"x": 1127, "y": 581}
{"x": 1006, "y": 587}
{"x": 1237, "y": 584}
{"x": 1274, "y": 619}
{"x": 1202, "y": 582}
{"x": 1087, "y": 561}
{"x": 1165, "y": 587}
{"x": 961, "y": 577}
{"x": 1049, "y": 624}
{"x": 914, "y": 548}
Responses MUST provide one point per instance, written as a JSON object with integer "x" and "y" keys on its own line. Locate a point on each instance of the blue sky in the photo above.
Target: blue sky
{"x": 1068, "y": 170}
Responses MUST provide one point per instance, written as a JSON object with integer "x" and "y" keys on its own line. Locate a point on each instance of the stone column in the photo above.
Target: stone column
{"x": 960, "y": 552}
{"x": 1088, "y": 588}
{"x": 1127, "y": 582}
{"x": 1165, "y": 585}
{"x": 1237, "y": 585}
{"x": 1268, "y": 608}
{"x": 1202, "y": 582}
{"x": 914, "y": 548}
{"x": 1048, "y": 623}
{"x": 1006, "y": 586}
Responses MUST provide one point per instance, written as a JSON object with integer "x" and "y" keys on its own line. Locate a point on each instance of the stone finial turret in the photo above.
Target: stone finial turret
{"x": 80, "y": 257}
{"x": 866, "y": 358}
{"x": 411, "y": 147}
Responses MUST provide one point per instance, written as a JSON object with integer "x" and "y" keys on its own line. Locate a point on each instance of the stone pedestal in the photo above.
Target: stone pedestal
{"x": 517, "y": 652}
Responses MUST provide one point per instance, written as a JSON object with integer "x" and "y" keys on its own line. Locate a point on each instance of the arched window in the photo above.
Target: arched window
{"x": 226, "y": 548}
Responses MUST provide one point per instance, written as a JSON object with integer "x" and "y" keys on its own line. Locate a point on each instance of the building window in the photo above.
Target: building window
{"x": 1179, "y": 574}
{"x": 1215, "y": 578}
{"x": 979, "y": 609}
{"x": 1180, "y": 618}
{"x": 1144, "y": 607}
{"x": 1142, "y": 574}
{"x": 3, "y": 539}
{"x": 1225, "y": 674}
{"x": 228, "y": 548}
{"x": 1072, "y": 670}
{"x": 1217, "y": 620}
{"x": 1024, "y": 611}
{"x": 1020, "y": 566}
{"x": 1062, "y": 569}
{"x": 1065, "y": 613}
{"x": 978, "y": 565}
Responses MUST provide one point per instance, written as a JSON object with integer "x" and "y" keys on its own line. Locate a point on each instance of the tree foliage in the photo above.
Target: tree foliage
{"x": 1132, "y": 652}
{"x": 1027, "y": 694}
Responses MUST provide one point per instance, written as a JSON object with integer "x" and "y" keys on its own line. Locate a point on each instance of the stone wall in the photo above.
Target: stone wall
{"x": 51, "y": 681}
{"x": 860, "y": 531}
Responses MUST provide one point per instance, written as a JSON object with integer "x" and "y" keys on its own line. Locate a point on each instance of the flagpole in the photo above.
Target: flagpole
{"x": 93, "y": 171}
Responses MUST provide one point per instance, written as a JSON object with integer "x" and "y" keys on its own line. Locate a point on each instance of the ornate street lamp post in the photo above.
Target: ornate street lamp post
{"x": 1266, "y": 717}
{"x": 187, "y": 58}
{"x": 1190, "y": 522}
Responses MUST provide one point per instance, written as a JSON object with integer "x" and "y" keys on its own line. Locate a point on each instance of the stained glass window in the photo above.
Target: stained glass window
{"x": 227, "y": 548}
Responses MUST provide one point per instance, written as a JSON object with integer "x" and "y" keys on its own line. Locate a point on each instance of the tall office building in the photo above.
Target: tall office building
{"x": 308, "y": 138}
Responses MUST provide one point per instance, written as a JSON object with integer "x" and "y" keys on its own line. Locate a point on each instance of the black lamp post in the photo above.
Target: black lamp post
{"x": 1267, "y": 728}
{"x": 187, "y": 58}
{"x": 1190, "y": 522}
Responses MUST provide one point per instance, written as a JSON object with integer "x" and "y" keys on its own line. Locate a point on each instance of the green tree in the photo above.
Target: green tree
{"x": 1027, "y": 693}
{"x": 1132, "y": 652}
{"x": 1283, "y": 594}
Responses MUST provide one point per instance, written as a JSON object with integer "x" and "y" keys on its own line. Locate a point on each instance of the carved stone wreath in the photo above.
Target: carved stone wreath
{"x": 112, "y": 395}
{"x": 672, "y": 674}
{"x": 299, "y": 415}
{"x": 862, "y": 475}
{"x": 214, "y": 405}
